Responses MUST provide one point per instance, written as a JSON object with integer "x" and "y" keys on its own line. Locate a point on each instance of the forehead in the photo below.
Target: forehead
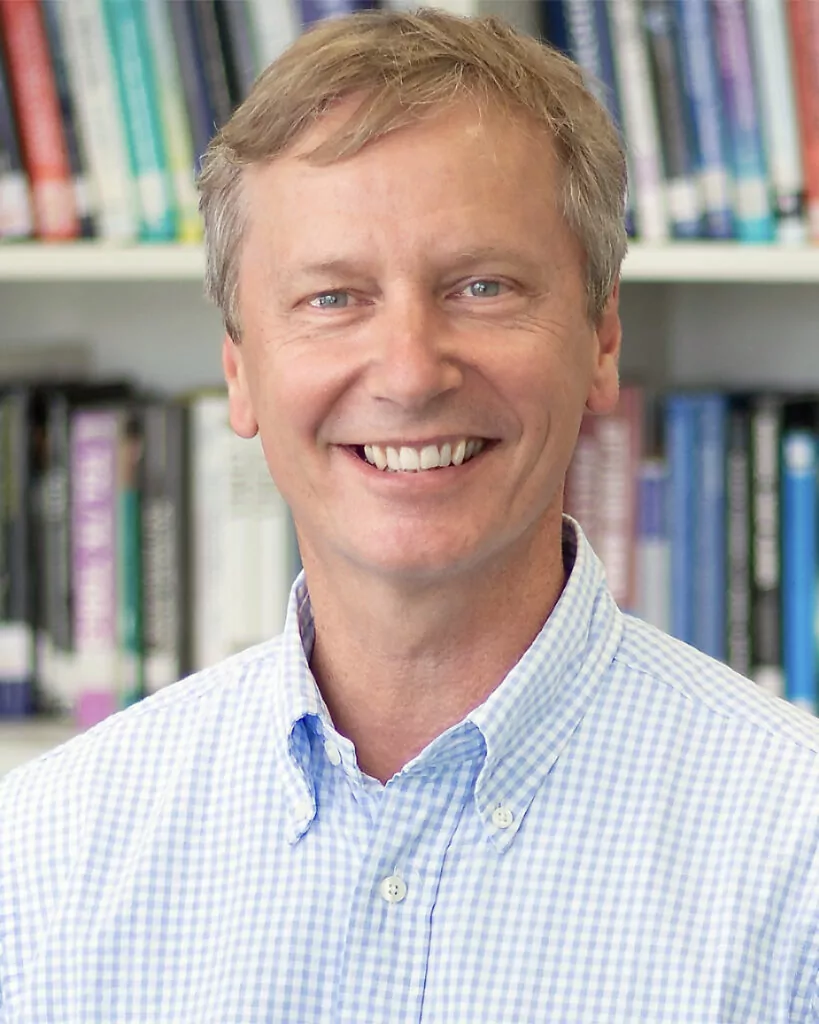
{"x": 464, "y": 164}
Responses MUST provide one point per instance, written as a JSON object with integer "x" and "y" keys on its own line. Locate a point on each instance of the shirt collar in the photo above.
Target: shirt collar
{"x": 520, "y": 730}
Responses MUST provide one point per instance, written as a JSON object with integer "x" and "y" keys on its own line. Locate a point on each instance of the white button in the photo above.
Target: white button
{"x": 502, "y": 817}
{"x": 393, "y": 889}
{"x": 303, "y": 810}
{"x": 332, "y": 752}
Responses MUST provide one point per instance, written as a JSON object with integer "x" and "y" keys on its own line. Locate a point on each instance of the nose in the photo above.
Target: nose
{"x": 416, "y": 359}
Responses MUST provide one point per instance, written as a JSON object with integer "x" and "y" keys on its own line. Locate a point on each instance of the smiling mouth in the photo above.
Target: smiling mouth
{"x": 406, "y": 459}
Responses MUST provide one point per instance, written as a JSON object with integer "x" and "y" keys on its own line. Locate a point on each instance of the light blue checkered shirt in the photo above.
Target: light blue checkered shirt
{"x": 625, "y": 831}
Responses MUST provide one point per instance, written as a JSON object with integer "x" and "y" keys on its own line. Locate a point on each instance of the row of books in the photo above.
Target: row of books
{"x": 718, "y": 102}
{"x": 703, "y": 508}
{"x": 106, "y": 107}
{"x": 141, "y": 539}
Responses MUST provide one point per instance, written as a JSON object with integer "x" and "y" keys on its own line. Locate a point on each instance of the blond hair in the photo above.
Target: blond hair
{"x": 405, "y": 66}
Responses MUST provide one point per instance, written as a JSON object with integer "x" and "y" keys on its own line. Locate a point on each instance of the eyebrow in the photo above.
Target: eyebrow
{"x": 486, "y": 253}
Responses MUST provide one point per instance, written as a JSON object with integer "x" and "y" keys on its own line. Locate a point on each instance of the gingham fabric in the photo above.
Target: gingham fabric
{"x": 625, "y": 831}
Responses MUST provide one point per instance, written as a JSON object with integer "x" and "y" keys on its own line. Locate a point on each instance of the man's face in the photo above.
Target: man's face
{"x": 422, "y": 301}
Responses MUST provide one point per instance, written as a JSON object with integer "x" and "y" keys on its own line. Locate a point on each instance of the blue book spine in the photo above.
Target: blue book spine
{"x": 709, "y": 526}
{"x": 554, "y": 24}
{"x": 681, "y": 440}
{"x": 752, "y": 207}
{"x": 316, "y": 10}
{"x": 589, "y": 43}
{"x": 702, "y": 90}
{"x": 799, "y": 524}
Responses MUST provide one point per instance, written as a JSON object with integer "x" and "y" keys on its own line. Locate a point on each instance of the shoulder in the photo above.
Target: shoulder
{"x": 676, "y": 672}
{"x": 134, "y": 751}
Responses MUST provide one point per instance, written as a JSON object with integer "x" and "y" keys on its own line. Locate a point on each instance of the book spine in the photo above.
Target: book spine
{"x": 653, "y": 559}
{"x": 738, "y": 537}
{"x": 139, "y": 113}
{"x": 94, "y": 452}
{"x": 209, "y": 489}
{"x": 619, "y": 442}
{"x": 682, "y": 444}
{"x": 709, "y": 526}
{"x": 93, "y": 85}
{"x": 754, "y": 219}
{"x": 315, "y": 10}
{"x": 211, "y": 60}
{"x": 74, "y": 143}
{"x": 129, "y": 558}
{"x": 233, "y": 18}
{"x": 676, "y": 130}
{"x": 799, "y": 524}
{"x": 164, "y": 516}
{"x": 16, "y": 217}
{"x": 580, "y": 493}
{"x": 275, "y": 27}
{"x": 554, "y": 26}
{"x": 702, "y": 89}
{"x": 767, "y": 22}
{"x": 201, "y": 116}
{"x": 55, "y": 643}
{"x": 804, "y": 37}
{"x": 766, "y": 529}
{"x": 34, "y": 93}
{"x": 275, "y": 551}
{"x": 176, "y": 131}
{"x": 639, "y": 119}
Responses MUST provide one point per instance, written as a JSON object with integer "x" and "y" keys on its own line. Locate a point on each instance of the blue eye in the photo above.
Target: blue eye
{"x": 330, "y": 300}
{"x": 483, "y": 289}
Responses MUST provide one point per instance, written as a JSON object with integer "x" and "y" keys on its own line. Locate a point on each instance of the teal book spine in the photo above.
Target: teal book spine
{"x": 139, "y": 103}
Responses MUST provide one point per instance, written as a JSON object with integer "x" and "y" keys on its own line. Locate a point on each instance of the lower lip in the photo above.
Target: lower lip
{"x": 440, "y": 477}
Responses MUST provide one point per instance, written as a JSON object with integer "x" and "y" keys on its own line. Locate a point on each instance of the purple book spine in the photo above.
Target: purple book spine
{"x": 94, "y": 452}
{"x": 316, "y": 10}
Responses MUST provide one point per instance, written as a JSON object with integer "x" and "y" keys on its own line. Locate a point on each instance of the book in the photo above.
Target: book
{"x": 675, "y": 118}
{"x": 752, "y": 209}
{"x": 93, "y": 85}
{"x": 77, "y": 158}
{"x": 768, "y": 25}
{"x": 39, "y": 119}
{"x": 702, "y": 89}
{"x": 709, "y": 524}
{"x": 803, "y": 22}
{"x": 638, "y": 105}
{"x": 766, "y": 530}
{"x": 681, "y": 439}
{"x": 799, "y": 551}
{"x": 274, "y": 26}
{"x": 200, "y": 113}
{"x": 176, "y": 130}
{"x": 139, "y": 112}
{"x": 164, "y": 549}
{"x": 738, "y": 625}
{"x": 235, "y": 33}
{"x": 16, "y": 218}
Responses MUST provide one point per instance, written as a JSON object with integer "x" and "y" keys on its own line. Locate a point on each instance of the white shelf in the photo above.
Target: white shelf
{"x": 20, "y": 741}
{"x": 715, "y": 262}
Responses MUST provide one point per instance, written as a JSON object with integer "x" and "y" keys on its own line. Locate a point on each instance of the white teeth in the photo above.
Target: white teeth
{"x": 429, "y": 457}
{"x": 410, "y": 461}
{"x": 413, "y": 460}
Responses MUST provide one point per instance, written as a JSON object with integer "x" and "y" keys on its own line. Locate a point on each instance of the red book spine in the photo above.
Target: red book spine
{"x": 803, "y": 19}
{"x": 42, "y": 138}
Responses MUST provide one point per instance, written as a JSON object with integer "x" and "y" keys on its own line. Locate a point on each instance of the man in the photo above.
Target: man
{"x": 462, "y": 786}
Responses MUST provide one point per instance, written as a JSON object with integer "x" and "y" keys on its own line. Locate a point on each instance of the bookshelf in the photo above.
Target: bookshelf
{"x": 692, "y": 313}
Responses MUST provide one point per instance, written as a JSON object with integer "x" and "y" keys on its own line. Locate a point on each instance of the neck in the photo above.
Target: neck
{"x": 397, "y": 667}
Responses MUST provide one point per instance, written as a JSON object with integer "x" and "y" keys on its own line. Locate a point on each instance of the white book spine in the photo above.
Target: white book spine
{"x": 94, "y": 86}
{"x": 15, "y": 206}
{"x": 277, "y": 25}
{"x": 209, "y": 506}
{"x": 767, "y": 22}
{"x": 639, "y": 114}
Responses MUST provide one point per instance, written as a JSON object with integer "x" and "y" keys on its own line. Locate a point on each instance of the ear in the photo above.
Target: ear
{"x": 240, "y": 406}
{"x": 605, "y": 384}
